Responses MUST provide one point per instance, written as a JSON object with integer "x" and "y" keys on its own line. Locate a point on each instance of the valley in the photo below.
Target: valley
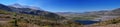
{"x": 20, "y": 16}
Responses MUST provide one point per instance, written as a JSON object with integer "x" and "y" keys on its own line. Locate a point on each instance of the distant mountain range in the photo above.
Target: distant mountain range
{"x": 92, "y": 15}
{"x": 105, "y": 12}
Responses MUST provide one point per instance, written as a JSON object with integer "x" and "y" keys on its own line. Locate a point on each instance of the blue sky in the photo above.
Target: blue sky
{"x": 68, "y": 5}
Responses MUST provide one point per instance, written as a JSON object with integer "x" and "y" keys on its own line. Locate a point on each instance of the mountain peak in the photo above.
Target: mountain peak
{"x": 17, "y": 5}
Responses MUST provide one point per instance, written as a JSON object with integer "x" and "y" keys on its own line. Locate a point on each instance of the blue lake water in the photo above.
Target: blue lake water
{"x": 86, "y": 22}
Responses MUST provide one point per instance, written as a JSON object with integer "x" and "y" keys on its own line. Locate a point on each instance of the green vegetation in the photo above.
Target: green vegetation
{"x": 13, "y": 19}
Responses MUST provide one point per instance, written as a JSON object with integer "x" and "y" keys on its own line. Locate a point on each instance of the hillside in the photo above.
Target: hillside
{"x": 13, "y": 19}
{"x": 21, "y": 17}
{"x": 31, "y": 11}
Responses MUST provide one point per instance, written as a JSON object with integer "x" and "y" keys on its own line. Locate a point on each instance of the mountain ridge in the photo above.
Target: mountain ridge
{"x": 30, "y": 11}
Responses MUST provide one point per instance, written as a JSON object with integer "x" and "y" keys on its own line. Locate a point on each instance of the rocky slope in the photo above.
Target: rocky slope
{"x": 31, "y": 11}
{"x": 27, "y": 17}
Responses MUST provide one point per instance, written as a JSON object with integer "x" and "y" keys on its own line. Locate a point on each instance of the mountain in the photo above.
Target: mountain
{"x": 68, "y": 13}
{"x": 102, "y": 12}
{"x": 93, "y": 15}
{"x": 27, "y": 17}
{"x": 5, "y": 7}
{"x": 105, "y": 18}
{"x": 32, "y": 11}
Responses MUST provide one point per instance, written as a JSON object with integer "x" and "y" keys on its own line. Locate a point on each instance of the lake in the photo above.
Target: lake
{"x": 86, "y": 22}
